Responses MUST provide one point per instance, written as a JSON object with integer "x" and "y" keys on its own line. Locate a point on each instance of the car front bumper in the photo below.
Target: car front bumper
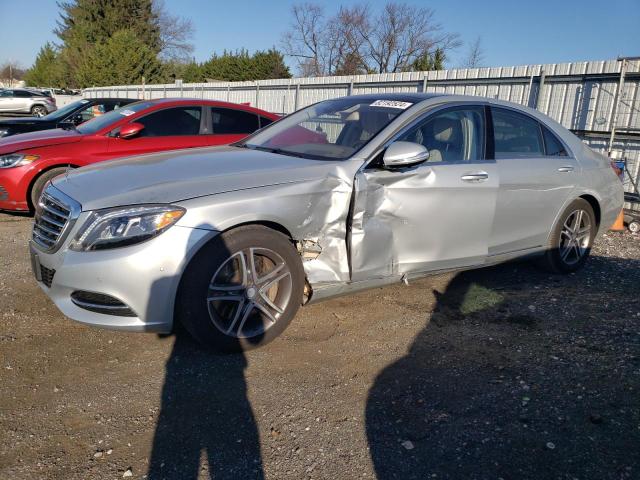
{"x": 144, "y": 277}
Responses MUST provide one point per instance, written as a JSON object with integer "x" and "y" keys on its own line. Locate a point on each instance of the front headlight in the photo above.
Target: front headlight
{"x": 16, "y": 160}
{"x": 123, "y": 226}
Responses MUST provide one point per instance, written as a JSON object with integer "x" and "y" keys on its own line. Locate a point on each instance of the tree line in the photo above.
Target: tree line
{"x": 99, "y": 45}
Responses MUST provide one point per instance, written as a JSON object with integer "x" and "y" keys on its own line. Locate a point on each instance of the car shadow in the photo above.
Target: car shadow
{"x": 516, "y": 374}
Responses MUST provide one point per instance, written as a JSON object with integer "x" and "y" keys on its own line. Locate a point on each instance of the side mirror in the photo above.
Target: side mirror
{"x": 130, "y": 130}
{"x": 404, "y": 154}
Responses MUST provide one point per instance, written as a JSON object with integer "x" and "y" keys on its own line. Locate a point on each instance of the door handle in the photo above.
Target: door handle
{"x": 475, "y": 177}
{"x": 565, "y": 169}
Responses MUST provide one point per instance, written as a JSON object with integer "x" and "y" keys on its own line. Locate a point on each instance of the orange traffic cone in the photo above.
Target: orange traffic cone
{"x": 618, "y": 225}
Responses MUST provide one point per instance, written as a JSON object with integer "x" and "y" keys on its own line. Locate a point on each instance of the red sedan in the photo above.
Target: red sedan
{"x": 28, "y": 161}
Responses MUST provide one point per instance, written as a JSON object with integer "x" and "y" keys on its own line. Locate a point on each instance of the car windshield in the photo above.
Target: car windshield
{"x": 329, "y": 130}
{"x": 98, "y": 123}
{"x": 64, "y": 111}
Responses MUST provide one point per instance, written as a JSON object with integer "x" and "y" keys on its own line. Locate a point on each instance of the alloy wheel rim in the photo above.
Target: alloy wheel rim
{"x": 575, "y": 237}
{"x": 38, "y": 111}
{"x": 249, "y": 292}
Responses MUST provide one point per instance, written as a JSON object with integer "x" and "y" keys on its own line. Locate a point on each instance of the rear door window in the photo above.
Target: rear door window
{"x": 229, "y": 121}
{"x": 552, "y": 146}
{"x": 264, "y": 121}
{"x": 176, "y": 121}
{"x": 516, "y": 135}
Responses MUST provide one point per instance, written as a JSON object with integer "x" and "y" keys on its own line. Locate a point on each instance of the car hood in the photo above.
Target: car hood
{"x": 22, "y": 121}
{"x": 45, "y": 138}
{"x": 180, "y": 175}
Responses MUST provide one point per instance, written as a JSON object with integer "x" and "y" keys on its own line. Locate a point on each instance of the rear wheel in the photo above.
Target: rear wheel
{"x": 38, "y": 111}
{"x": 634, "y": 226}
{"x": 571, "y": 239}
{"x": 241, "y": 290}
{"x": 41, "y": 182}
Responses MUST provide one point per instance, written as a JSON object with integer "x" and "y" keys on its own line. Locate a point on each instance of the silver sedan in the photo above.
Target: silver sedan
{"x": 344, "y": 195}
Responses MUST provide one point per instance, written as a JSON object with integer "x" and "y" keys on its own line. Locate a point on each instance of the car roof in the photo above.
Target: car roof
{"x": 401, "y": 97}
{"x": 213, "y": 103}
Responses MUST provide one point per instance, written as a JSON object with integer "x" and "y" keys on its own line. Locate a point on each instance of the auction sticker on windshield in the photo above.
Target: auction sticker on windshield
{"x": 391, "y": 104}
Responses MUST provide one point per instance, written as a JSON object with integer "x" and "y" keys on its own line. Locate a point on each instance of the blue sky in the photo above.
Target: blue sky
{"x": 513, "y": 32}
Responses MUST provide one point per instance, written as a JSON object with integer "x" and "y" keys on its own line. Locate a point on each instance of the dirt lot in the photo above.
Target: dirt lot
{"x": 505, "y": 372}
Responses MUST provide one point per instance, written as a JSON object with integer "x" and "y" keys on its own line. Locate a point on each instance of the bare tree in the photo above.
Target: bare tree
{"x": 475, "y": 54}
{"x": 11, "y": 72}
{"x": 400, "y": 34}
{"x": 356, "y": 40}
{"x": 305, "y": 41}
{"x": 175, "y": 34}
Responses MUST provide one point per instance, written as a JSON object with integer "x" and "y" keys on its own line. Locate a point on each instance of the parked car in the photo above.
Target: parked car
{"x": 20, "y": 100}
{"x": 28, "y": 161}
{"x": 69, "y": 116}
{"x": 346, "y": 194}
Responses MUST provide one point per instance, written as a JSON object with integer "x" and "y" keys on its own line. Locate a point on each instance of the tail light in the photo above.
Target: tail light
{"x": 618, "y": 168}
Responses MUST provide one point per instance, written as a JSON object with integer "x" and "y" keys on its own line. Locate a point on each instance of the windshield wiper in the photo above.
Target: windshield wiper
{"x": 273, "y": 150}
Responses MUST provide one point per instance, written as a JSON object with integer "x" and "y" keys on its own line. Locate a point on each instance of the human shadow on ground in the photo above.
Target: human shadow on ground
{"x": 517, "y": 374}
{"x": 206, "y": 427}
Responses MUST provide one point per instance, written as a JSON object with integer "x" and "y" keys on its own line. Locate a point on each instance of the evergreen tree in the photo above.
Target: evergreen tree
{"x": 428, "y": 61}
{"x": 121, "y": 60}
{"x": 88, "y": 23}
{"x": 45, "y": 71}
{"x": 240, "y": 66}
{"x": 269, "y": 64}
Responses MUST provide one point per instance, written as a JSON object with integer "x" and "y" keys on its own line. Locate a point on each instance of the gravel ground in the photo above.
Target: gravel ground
{"x": 505, "y": 372}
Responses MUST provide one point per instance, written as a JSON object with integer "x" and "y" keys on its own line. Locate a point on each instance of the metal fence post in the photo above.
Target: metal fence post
{"x": 350, "y": 88}
{"x": 296, "y": 103}
{"x": 424, "y": 84}
{"x": 540, "y": 87}
{"x": 257, "y": 95}
{"x": 616, "y": 104}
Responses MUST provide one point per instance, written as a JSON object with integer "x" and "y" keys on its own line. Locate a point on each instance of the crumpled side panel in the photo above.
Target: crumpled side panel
{"x": 419, "y": 219}
{"x": 314, "y": 211}
{"x": 326, "y": 226}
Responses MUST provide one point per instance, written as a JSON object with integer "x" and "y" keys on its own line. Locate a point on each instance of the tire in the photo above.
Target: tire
{"x": 41, "y": 182}
{"x": 568, "y": 251}
{"x": 634, "y": 226}
{"x": 244, "y": 312}
{"x": 38, "y": 111}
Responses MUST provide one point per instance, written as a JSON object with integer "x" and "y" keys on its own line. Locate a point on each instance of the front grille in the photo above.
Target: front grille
{"x": 54, "y": 213}
{"x": 101, "y": 303}
{"x": 3, "y": 193}
{"x": 46, "y": 274}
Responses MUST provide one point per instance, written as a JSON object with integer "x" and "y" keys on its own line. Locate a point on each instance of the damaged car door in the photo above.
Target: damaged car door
{"x": 434, "y": 215}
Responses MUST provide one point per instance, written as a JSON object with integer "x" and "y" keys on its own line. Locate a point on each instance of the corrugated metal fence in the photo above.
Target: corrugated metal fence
{"x": 580, "y": 95}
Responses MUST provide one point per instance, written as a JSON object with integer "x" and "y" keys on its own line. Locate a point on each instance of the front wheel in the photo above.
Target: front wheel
{"x": 38, "y": 111}
{"x": 241, "y": 290}
{"x": 571, "y": 239}
{"x": 41, "y": 182}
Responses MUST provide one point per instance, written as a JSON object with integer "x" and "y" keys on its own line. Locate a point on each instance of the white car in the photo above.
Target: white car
{"x": 20, "y": 100}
